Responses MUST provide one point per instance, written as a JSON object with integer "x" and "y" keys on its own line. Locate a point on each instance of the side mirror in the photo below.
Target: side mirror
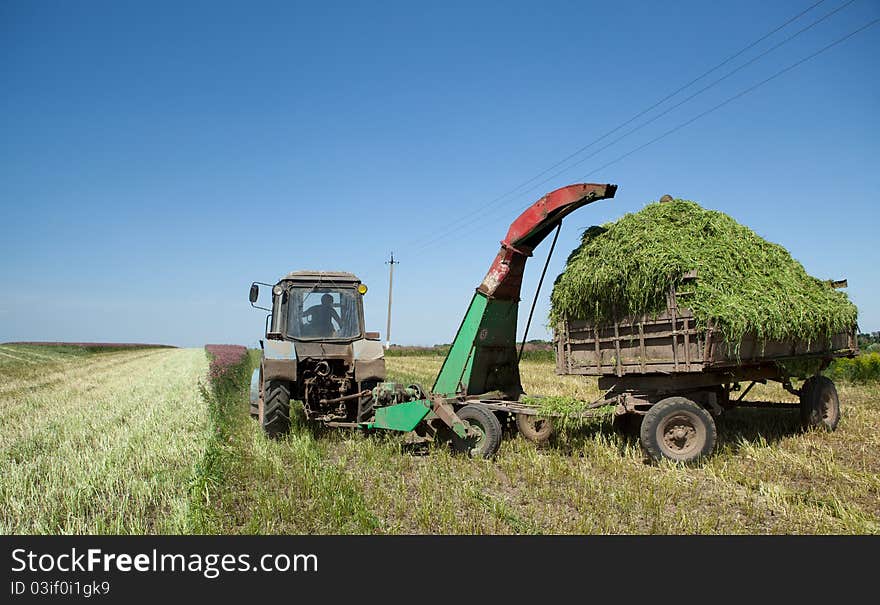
{"x": 254, "y": 293}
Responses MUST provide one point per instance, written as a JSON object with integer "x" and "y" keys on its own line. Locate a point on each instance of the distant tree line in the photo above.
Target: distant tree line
{"x": 870, "y": 342}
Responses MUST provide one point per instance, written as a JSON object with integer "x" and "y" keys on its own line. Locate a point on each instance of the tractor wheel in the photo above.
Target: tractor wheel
{"x": 678, "y": 429}
{"x": 534, "y": 427}
{"x": 256, "y": 392}
{"x": 274, "y": 408}
{"x": 489, "y": 440}
{"x": 820, "y": 405}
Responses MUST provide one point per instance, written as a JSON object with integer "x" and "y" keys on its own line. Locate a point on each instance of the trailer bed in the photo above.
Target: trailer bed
{"x": 671, "y": 343}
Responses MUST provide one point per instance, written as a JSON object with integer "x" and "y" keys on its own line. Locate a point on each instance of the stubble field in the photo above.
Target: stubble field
{"x": 99, "y": 442}
{"x": 143, "y": 442}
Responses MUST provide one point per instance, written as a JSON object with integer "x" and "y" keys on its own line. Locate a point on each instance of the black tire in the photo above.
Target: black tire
{"x": 628, "y": 425}
{"x": 678, "y": 429}
{"x": 506, "y": 420}
{"x": 274, "y": 413}
{"x": 483, "y": 419}
{"x": 534, "y": 428}
{"x": 365, "y": 404}
{"x": 820, "y": 405}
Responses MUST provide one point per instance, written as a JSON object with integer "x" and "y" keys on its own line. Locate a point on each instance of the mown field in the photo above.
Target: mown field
{"x": 141, "y": 442}
{"x": 766, "y": 477}
{"x": 99, "y": 442}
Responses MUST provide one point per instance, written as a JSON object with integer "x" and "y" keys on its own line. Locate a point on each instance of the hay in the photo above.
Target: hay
{"x": 745, "y": 284}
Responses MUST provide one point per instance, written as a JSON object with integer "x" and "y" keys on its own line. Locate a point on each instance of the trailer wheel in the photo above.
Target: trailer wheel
{"x": 274, "y": 408}
{"x": 534, "y": 428}
{"x": 489, "y": 428}
{"x": 820, "y": 405}
{"x": 678, "y": 429}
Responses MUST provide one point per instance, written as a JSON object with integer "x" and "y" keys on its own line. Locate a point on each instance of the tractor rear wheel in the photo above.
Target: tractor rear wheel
{"x": 488, "y": 439}
{"x": 678, "y": 429}
{"x": 820, "y": 405}
{"x": 534, "y": 428}
{"x": 274, "y": 408}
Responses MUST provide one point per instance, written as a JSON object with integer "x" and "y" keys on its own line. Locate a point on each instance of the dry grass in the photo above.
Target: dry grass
{"x": 99, "y": 443}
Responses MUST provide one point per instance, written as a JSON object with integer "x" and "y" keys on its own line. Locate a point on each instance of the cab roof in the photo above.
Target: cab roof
{"x": 321, "y": 276}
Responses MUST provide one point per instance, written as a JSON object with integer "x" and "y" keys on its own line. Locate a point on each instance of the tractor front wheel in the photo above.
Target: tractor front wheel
{"x": 487, "y": 438}
{"x": 274, "y": 408}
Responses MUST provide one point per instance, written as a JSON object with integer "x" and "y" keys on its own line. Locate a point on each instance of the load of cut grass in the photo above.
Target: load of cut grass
{"x": 744, "y": 283}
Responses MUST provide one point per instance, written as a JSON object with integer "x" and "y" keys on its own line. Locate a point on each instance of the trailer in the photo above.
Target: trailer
{"x": 674, "y": 377}
{"x": 665, "y": 373}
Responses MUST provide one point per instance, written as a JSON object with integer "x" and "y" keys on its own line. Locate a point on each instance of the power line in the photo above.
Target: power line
{"x": 696, "y": 94}
{"x": 577, "y": 152}
{"x": 720, "y": 105}
{"x": 486, "y": 212}
{"x": 738, "y": 95}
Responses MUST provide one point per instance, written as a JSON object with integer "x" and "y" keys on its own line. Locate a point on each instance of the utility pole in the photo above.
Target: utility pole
{"x": 390, "y": 264}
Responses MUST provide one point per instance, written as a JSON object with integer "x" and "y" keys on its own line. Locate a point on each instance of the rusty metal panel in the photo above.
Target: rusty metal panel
{"x": 752, "y": 349}
{"x": 632, "y": 345}
{"x": 279, "y": 349}
{"x": 279, "y": 369}
{"x": 670, "y": 343}
{"x": 324, "y": 350}
{"x": 367, "y": 350}
{"x": 322, "y": 276}
{"x": 687, "y": 346}
{"x": 504, "y": 278}
{"x": 369, "y": 369}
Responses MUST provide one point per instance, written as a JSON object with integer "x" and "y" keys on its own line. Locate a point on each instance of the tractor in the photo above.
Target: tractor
{"x": 316, "y": 351}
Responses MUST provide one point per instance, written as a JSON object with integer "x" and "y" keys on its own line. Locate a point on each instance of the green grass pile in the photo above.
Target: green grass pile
{"x": 744, "y": 283}
{"x": 557, "y": 405}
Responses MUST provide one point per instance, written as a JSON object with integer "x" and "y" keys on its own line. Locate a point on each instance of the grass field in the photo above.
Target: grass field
{"x": 766, "y": 477}
{"x": 126, "y": 442}
{"x": 99, "y": 442}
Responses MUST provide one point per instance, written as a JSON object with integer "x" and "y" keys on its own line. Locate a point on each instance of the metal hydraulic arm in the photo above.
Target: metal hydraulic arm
{"x": 483, "y": 357}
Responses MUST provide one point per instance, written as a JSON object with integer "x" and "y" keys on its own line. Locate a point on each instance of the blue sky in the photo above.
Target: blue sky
{"x": 155, "y": 158}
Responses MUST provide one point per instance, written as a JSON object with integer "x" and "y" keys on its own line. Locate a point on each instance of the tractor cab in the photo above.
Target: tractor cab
{"x": 315, "y": 306}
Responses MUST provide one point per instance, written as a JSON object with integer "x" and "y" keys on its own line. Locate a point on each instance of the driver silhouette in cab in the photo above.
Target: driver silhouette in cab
{"x": 320, "y": 317}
